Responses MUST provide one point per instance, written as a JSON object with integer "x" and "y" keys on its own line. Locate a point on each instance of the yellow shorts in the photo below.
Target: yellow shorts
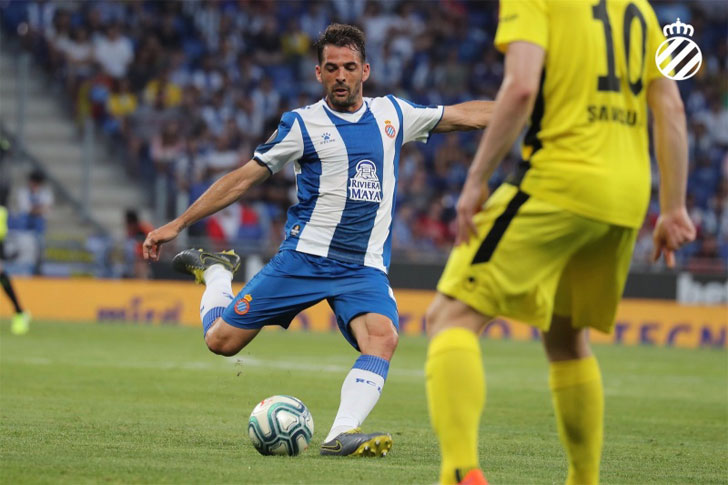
{"x": 532, "y": 260}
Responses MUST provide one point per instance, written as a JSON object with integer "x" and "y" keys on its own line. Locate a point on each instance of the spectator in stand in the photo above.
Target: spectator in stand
{"x": 190, "y": 165}
{"x": 78, "y": 54}
{"x": 167, "y": 146}
{"x": 266, "y": 100}
{"x": 207, "y": 79}
{"x": 450, "y": 158}
{"x": 146, "y": 63}
{"x": 222, "y": 159}
{"x": 431, "y": 228}
{"x": 161, "y": 85}
{"x": 147, "y": 122}
{"x": 246, "y": 74}
{"x": 179, "y": 72}
{"x": 249, "y": 120}
{"x": 121, "y": 105}
{"x": 315, "y": 19}
{"x": 217, "y": 113}
{"x": 168, "y": 32}
{"x": 34, "y": 202}
{"x": 376, "y": 23}
{"x": 295, "y": 41}
{"x": 402, "y": 237}
{"x": 266, "y": 44}
{"x": 704, "y": 178}
{"x": 189, "y": 112}
{"x": 451, "y": 78}
{"x": 707, "y": 258}
{"x": 114, "y": 52}
{"x": 41, "y": 16}
{"x": 136, "y": 231}
{"x": 55, "y": 37}
{"x": 715, "y": 118}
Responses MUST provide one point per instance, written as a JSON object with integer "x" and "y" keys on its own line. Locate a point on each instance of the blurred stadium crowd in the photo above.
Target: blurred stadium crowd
{"x": 186, "y": 90}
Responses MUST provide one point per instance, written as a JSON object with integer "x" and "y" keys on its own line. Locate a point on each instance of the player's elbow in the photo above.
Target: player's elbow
{"x": 521, "y": 91}
{"x": 676, "y": 108}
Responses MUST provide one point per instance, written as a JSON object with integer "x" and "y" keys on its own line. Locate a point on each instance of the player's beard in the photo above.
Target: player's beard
{"x": 350, "y": 100}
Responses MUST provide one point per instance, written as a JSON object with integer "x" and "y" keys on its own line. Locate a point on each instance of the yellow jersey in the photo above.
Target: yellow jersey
{"x": 586, "y": 149}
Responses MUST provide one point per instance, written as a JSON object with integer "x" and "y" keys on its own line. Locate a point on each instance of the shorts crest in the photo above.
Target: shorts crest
{"x": 242, "y": 306}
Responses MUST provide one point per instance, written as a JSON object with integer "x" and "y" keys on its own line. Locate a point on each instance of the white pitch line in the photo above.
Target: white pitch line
{"x": 247, "y": 361}
{"x": 311, "y": 367}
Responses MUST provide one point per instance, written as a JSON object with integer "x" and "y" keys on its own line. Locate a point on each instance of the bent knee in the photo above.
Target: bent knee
{"x": 381, "y": 343}
{"x": 446, "y": 312}
{"x": 221, "y": 346}
{"x": 390, "y": 339}
{"x": 433, "y": 319}
{"x": 386, "y": 339}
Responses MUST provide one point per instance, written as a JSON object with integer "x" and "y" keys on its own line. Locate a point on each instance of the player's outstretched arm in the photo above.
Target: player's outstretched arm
{"x": 513, "y": 105}
{"x": 470, "y": 115}
{"x": 674, "y": 227}
{"x": 221, "y": 194}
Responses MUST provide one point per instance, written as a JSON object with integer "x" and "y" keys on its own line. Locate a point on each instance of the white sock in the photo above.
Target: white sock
{"x": 359, "y": 393}
{"x": 217, "y": 296}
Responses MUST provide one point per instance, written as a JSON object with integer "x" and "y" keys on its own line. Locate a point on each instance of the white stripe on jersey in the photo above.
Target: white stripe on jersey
{"x": 319, "y": 230}
{"x": 382, "y": 109}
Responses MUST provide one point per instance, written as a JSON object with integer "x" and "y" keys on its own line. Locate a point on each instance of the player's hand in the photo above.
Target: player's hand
{"x": 673, "y": 230}
{"x": 157, "y": 237}
{"x": 470, "y": 202}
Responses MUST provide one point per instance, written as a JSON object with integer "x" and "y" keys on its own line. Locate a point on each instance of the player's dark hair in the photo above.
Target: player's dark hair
{"x": 342, "y": 35}
{"x": 37, "y": 176}
{"x": 131, "y": 216}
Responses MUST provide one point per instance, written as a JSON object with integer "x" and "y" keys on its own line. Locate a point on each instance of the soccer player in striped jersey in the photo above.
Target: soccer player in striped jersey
{"x": 345, "y": 150}
{"x": 552, "y": 247}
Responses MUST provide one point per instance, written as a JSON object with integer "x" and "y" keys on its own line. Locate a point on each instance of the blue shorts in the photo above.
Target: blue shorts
{"x": 293, "y": 281}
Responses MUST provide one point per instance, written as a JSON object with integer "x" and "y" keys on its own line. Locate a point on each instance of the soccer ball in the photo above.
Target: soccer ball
{"x": 280, "y": 425}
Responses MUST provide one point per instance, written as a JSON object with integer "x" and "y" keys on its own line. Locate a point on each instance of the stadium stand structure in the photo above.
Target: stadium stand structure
{"x": 53, "y": 140}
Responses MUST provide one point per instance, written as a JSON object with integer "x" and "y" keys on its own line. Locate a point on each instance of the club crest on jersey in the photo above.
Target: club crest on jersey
{"x": 242, "y": 306}
{"x": 365, "y": 184}
{"x": 389, "y": 129}
{"x": 295, "y": 230}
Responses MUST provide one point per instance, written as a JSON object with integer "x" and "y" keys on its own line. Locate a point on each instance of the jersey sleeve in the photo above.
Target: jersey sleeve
{"x": 417, "y": 120}
{"x": 522, "y": 20}
{"x": 284, "y": 145}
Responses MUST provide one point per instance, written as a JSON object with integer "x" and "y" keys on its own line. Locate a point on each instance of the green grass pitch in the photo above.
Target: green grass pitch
{"x": 91, "y": 403}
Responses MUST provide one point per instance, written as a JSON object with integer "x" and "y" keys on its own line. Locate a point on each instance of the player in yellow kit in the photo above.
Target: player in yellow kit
{"x": 552, "y": 246}
{"x": 20, "y": 323}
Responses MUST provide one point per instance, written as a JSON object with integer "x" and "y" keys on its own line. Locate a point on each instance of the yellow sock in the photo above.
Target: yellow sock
{"x": 456, "y": 396}
{"x": 578, "y": 397}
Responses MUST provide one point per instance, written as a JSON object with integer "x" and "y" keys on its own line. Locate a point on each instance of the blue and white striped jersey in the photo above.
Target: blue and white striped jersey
{"x": 346, "y": 168}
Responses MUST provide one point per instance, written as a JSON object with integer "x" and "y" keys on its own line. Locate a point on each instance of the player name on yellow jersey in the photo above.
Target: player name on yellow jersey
{"x": 611, "y": 113}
